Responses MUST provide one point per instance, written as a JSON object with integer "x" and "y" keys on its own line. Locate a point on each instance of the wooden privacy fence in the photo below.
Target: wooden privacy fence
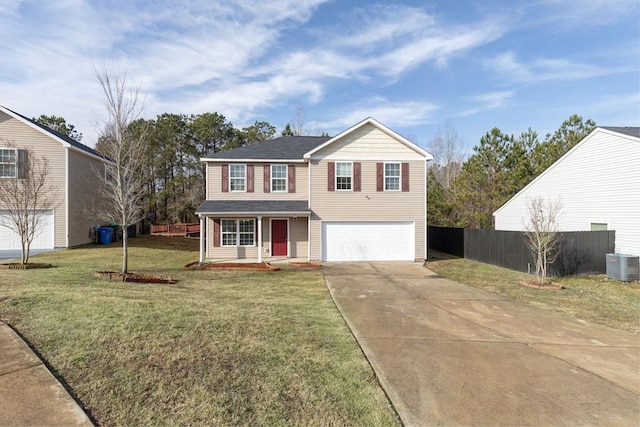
{"x": 580, "y": 251}
{"x": 179, "y": 230}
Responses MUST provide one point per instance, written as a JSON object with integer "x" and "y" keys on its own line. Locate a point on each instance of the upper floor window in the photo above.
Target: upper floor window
{"x": 279, "y": 178}
{"x": 237, "y": 177}
{"x": 392, "y": 176}
{"x": 344, "y": 175}
{"x": 8, "y": 163}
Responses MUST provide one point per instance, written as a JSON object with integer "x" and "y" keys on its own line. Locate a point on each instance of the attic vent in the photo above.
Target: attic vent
{"x": 623, "y": 267}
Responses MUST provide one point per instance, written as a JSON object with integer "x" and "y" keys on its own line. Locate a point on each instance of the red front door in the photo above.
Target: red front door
{"x": 279, "y": 237}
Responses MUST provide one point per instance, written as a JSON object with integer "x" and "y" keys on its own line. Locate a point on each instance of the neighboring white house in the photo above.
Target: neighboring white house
{"x": 597, "y": 183}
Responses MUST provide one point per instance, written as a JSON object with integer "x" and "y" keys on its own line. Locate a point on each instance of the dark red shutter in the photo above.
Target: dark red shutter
{"x": 331, "y": 173}
{"x": 216, "y": 233}
{"x": 405, "y": 177}
{"x": 23, "y": 164}
{"x": 255, "y": 232}
{"x": 356, "y": 176}
{"x": 225, "y": 178}
{"x": 292, "y": 178}
{"x": 267, "y": 178}
{"x": 249, "y": 178}
{"x": 379, "y": 176}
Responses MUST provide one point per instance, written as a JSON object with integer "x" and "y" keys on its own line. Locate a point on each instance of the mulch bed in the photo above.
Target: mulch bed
{"x": 247, "y": 266}
{"x": 28, "y": 266}
{"x": 305, "y": 264}
{"x": 551, "y": 286}
{"x": 133, "y": 277}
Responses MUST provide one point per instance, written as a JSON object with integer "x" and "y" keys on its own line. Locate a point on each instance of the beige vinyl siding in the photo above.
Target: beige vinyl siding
{"x": 24, "y": 136}
{"x": 214, "y": 184}
{"x": 367, "y": 204}
{"x": 83, "y": 201}
{"x": 367, "y": 143}
{"x": 298, "y": 242}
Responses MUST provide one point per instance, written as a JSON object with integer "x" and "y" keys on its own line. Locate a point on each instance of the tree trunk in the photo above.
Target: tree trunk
{"x": 125, "y": 249}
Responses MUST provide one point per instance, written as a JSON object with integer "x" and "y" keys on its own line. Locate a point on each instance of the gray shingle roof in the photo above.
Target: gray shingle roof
{"x": 632, "y": 131}
{"x": 65, "y": 138}
{"x": 284, "y": 147}
{"x": 252, "y": 206}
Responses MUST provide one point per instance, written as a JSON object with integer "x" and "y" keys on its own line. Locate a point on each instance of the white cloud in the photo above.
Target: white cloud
{"x": 545, "y": 69}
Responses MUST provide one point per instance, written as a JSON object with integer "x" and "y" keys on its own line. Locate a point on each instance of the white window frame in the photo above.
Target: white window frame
{"x": 285, "y": 179}
{"x": 242, "y": 178}
{"x": 237, "y": 234}
{"x": 399, "y": 176}
{"x": 350, "y": 176}
{"x": 14, "y": 163}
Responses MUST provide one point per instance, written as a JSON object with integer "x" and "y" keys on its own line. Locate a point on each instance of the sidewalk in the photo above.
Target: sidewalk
{"x": 30, "y": 394}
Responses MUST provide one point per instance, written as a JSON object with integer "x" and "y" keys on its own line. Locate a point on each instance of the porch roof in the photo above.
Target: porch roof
{"x": 254, "y": 207}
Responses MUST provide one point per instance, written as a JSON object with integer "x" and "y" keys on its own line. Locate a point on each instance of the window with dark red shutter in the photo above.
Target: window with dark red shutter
{"x": 356, "y": 176}
{"x": 216, "y": 233}
{"x": 249, "y": 178}
{"x": 405, "y": 177}
{"x": 225, "y": 178}
{"x": 331, "y": 174}
{"x": 292, "y": 179}
{"x": 267, "y": 178}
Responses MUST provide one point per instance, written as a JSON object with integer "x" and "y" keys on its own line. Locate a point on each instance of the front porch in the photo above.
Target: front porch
{"x": 254, "y": 231}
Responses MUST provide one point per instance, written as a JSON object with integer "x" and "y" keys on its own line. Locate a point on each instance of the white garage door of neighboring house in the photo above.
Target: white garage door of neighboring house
{"x": 368, "y": 241}
{"x": 44, "y": 238}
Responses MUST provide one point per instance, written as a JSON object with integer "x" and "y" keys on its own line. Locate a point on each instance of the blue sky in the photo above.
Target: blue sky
{"x": 409, "y": 64}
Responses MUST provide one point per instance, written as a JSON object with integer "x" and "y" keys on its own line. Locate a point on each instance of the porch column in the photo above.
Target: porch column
{"x": 259, "y": 219}
{"x": 203, "y": 233}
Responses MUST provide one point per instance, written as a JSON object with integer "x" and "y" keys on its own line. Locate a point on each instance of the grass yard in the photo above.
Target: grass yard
{"x": 217, "y": 348}
{"x": 593, "y": 298}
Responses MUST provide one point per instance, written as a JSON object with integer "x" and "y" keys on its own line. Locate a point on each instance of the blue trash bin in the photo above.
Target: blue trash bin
{"x": 106, "y": 235}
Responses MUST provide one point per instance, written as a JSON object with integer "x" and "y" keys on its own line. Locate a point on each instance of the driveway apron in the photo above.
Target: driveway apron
{"x": 450, "y": 354}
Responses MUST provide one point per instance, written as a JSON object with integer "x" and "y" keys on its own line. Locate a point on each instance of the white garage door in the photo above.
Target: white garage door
{"x": 368, "y": 241}
{"x": 43, "y": 239}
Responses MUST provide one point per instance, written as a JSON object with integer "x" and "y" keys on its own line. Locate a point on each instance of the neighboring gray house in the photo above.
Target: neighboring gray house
{"x": 360, "y": 195}
{"x": 72, "y": 174}
{"x": 597, "y": 183}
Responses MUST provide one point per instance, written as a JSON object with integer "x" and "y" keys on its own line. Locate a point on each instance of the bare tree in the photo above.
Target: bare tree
{"x": 24, "y": 194}
{"x": 298, "y": 121}
{"x": 123, "y": 191}
{"x": 542, "y": 237}
{"x": 448, "y": 154}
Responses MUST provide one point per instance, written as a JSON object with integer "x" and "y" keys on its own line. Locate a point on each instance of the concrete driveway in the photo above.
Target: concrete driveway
{"x": 450, "y": 354}
{"x": 16, "y": 254}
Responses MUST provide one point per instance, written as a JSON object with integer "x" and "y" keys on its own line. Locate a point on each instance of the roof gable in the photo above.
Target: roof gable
{"x": 371, "y": 121}
{"x": 615, "y": 131}
{"x": 62, "y": 139}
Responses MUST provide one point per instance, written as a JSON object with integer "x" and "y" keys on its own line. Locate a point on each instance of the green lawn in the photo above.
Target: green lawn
{"x": 593, "y": 298}
{"x": 217, "y": 348}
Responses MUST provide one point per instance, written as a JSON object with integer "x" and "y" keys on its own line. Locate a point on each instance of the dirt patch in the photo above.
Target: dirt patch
{"x": 28, "y": 266}
{"x": 551, "y": 286}
{"x": 134, "y": 277}
{"x": 247, "y": 266}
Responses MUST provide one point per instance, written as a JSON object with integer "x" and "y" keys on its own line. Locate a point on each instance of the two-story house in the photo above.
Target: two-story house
{"x": 359, "y": 196}
{"x": 72, "y": 177}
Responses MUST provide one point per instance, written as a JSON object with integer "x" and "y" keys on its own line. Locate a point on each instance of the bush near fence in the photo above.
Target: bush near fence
{"x": 581, "y": 252}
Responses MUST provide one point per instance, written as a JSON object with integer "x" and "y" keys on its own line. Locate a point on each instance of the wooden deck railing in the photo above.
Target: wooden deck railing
{"x": 180, "y": 229}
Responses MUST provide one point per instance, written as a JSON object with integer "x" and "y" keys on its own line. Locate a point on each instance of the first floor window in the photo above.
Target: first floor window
{"x": 343, "y": 175}
{"x": 238, "y": 232}
{"x": 278, "y": 178}
{"x": 391, "y": 176}
{"x": 237, "y": 177}
{"x": 8, "y": 163}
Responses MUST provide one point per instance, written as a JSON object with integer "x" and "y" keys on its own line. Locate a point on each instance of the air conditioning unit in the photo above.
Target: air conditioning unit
{"x": 623, "y": 267}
